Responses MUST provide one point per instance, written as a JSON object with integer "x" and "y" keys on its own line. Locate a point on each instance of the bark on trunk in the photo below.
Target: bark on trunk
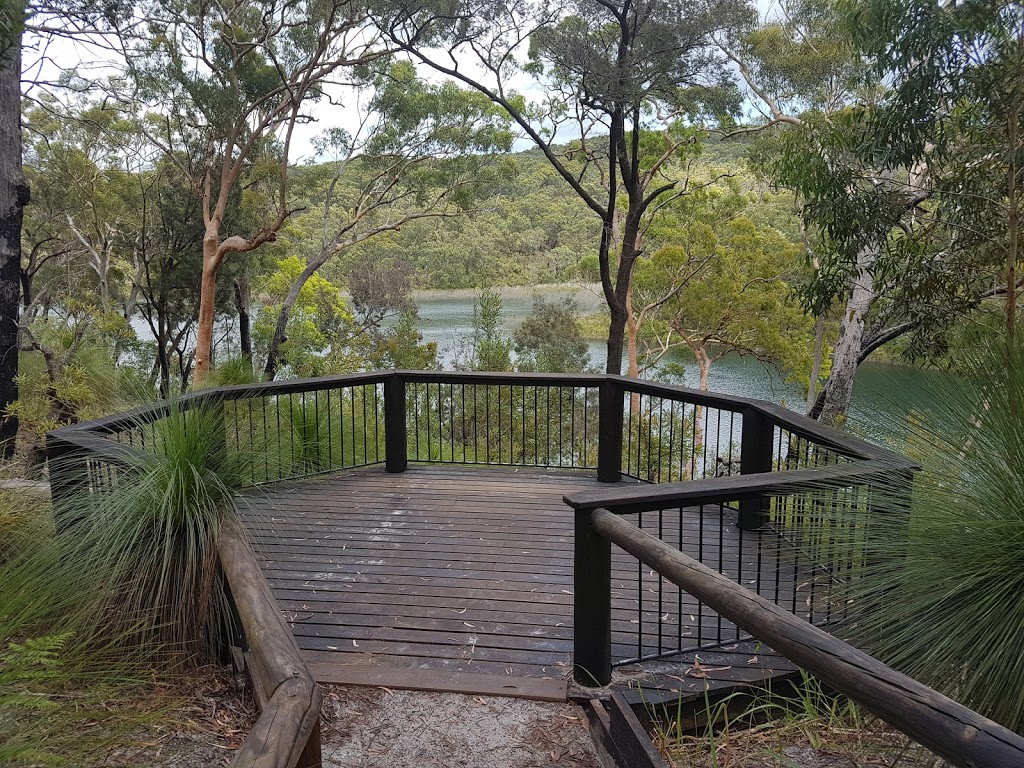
{"x": 616, "y": 333}
{"x": 207, "y": 301}
{"x": 839, "y": 389}
{"x": 14, "y": 196}
{"x": 244, "y": 321}
{"x": 704, "y": 367}
{"x": 819, "y": 345}
{"x": 632, "y": 331}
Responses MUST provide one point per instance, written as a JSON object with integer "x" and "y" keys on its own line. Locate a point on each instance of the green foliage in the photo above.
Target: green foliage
{"x": 551, "y": 339}
{"x": 733, "y": 292}
{"x": 74, "y": 680}
{"x": 236, "y": 370}
{"x": 155, "y": 531}
{"x": 939, "y": 596}
{"x": 319, "y": 321}
{"x": 491, "y": 350}
{"x": 401, "y": 348}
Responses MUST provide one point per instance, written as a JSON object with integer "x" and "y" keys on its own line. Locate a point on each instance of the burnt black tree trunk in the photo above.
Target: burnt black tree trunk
{"x": 244, "y": 320}
{"x": 14, "y": 196}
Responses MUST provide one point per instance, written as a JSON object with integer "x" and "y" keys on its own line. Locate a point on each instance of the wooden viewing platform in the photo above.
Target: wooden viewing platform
{"x": 410, "y": 529}
{"x": 395, "y": 578}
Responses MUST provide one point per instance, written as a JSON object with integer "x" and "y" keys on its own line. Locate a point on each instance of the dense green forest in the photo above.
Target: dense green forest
{"x": 204, "y": 193}
{"x": 768, "y": 198}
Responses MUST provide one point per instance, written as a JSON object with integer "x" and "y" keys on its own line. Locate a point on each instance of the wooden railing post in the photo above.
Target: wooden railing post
{"x": 592, "y": 604}
{"x": 755, "y": 456}
{"x": 609, "y": 431}
{"x": 68, "y": 471}
{"x": 396, "y": 450}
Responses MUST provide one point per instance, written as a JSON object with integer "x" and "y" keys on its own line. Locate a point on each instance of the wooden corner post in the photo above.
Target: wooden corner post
{"x": 396, "y": 450}
{"x": 755, "y": 456}
{"x": 609, "y": 431}
{"x": 592, "y": 604}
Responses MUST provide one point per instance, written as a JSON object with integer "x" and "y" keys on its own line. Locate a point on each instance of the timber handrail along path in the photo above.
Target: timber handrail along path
{"x": 287, "y": 733}
{"x": 949, "y": 729}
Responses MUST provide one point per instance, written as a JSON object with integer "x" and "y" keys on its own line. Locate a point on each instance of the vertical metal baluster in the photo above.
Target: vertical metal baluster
{"x": 700, "y": 558}
{"x": 430, "y": 441}
{"x": 679, "y": 590}
{"x": 366, "y": 432}
{"x": 547, "y": 421}
{"x": 721, "y": 557}
{"x": 476, "y": 428}
{"x": 640, "y": 595}
{"x": 416, "y": 415}
{"x": 462, "y": 432}
{"x": 628, "y": 401}
{"x": 671, "y": 437}
{"x": 739, "y": 567}
{"x": 341, "y": 424}
{"x": 330, "y": 436}
{"x": 661, "y": 582}
{"x": 377, "y": 388}
{"x": 522, "y": 423}
{"x": 355, "y": 424}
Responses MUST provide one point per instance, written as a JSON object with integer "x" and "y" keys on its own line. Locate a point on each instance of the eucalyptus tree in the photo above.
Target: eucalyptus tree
{"x": 624, "y": 80}
{"x": 875, "y": 214}
{"x": 738, "y": 298}
{"x": 956, "y": 106}
{"x": 421, "y": 152}
{"x": 225, "y": 84}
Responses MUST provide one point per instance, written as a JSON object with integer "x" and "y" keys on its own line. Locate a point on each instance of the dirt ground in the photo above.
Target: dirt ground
{"x": 212, "y": 712}
{"x": 382, "y": 728}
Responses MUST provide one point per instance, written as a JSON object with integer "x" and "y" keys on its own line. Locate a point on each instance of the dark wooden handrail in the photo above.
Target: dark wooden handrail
{"x": 287, "y": 733}
{"x": 777, "y": 415}
{"x": 950, "y": 730}
{"x": 712, "y": 490}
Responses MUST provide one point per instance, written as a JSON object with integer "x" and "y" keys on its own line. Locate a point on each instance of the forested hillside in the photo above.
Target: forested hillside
{"x": 265, "y": 210}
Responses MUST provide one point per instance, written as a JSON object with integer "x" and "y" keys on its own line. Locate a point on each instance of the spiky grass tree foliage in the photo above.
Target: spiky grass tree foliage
{"x": 941, "y": 595}
{"x": 155, "y": 529}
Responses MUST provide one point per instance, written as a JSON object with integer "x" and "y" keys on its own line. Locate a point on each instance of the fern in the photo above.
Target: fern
{"x": 23, "y": 666}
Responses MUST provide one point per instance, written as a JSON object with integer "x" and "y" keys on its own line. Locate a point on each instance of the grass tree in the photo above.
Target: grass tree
{"x": 939, "y": 594}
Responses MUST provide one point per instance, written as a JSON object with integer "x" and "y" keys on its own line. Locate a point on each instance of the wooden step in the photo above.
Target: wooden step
{"x": 535, "y": 688}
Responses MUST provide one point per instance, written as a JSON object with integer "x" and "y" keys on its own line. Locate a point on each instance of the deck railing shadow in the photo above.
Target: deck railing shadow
{"x": 688, "y": 454}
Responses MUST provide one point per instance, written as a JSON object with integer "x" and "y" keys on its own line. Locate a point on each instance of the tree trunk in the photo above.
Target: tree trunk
{"x": 280, "y": 335}
{"x": 616, "y": 334}
{"x": 632, "y": 331}
{"x": 839, "y": 389}
{"x": 244, "y": 321}
{"x": 14, "y": 196}
{"x": 207, "y": 302}
{"x": 704, "y": 367}
{"x": 819, "y": 345}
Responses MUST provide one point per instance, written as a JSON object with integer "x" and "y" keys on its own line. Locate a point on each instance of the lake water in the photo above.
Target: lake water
{"x": 883, "y": 394}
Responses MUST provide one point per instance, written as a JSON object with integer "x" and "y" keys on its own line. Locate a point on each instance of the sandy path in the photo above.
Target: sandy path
{"x": 381, "y": 728}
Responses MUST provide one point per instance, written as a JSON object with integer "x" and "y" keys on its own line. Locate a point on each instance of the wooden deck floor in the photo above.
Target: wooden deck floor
{"x": 469, "y": 570}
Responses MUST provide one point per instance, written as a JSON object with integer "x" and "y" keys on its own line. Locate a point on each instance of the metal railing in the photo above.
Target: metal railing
{"x": 789, "y": 559}
{"x": 950, "y": 730}
{"x": 722, "y": 478}
{"x": 617, "y": 426}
